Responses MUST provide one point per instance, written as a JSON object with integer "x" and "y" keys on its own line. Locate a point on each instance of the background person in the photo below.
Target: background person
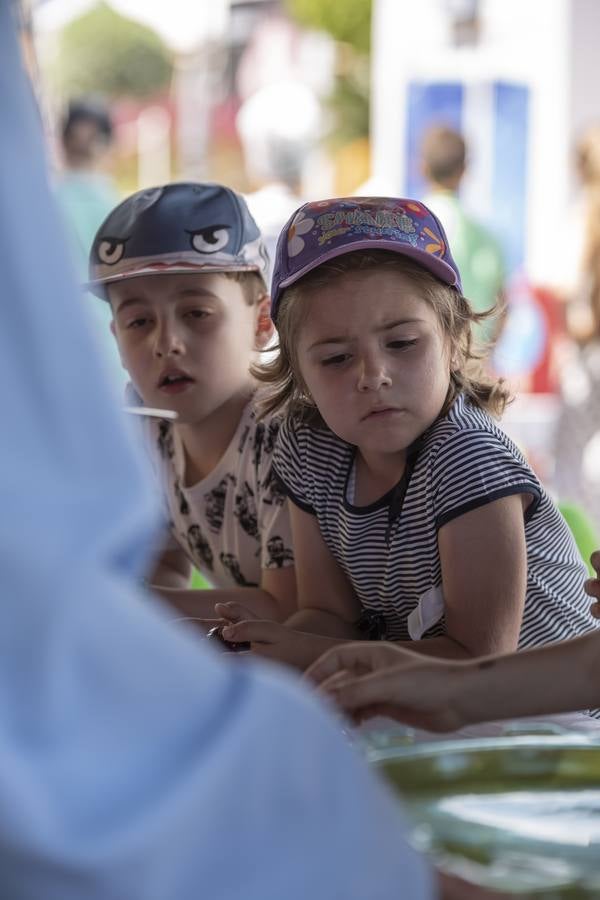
{"x": 86, "y": 193}
{"x": 477, "y": 252}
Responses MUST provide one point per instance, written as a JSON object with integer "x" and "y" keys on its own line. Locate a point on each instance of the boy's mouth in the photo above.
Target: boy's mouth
{"x": 174, "y": 381}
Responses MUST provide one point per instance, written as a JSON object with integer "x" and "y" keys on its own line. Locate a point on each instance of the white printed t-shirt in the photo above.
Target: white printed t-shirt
{"x": 234, "y": 522}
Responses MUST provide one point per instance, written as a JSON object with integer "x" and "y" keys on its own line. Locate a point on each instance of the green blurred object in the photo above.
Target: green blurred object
{"x": 583, "y": 529}
{"x": 520, "y": 814}
{"x": 199, "y": 582}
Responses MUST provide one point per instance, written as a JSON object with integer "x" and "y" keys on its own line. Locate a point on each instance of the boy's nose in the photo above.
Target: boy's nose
{"x": 169, "y": 343}
{"x": 372, "y": 375}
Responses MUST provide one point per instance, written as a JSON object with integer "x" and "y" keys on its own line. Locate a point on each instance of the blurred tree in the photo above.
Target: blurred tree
{"x": 348, "y": 22}
{"x": 102, "y": 52}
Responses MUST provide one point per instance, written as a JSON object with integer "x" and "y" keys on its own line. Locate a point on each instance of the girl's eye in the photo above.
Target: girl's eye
{"x": 336, "y": 360}
{"x": 402, "y": 345}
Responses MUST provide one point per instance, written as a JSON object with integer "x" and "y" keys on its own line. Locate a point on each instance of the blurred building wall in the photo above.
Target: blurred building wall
{"x": 525, "y": 79}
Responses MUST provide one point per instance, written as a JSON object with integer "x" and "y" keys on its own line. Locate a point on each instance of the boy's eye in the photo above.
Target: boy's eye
{"x": 137, "y": 323}
{"x": 210, "y": 240}
{"x": 198, "y": 313}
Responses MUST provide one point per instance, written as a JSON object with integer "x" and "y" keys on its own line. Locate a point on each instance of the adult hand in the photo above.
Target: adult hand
{"x": 278, "y": 642}
{"x": 372, "y": 678}
{"x": 592, "y": 585}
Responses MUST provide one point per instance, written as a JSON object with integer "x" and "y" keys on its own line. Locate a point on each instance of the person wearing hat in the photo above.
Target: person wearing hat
{"x": 182, "y": 268}
{"x": 414, "y": 517}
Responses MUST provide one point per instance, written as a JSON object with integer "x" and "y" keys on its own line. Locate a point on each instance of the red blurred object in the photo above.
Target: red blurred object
{"x": 544, "y": 378}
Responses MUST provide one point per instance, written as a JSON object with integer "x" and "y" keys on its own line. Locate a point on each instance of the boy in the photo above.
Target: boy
{"x": 182, "y": 268}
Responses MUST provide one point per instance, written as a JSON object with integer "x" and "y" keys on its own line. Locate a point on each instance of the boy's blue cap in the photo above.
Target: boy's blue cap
{"x": 176, "y": 228}
{"x": 323, "y": 229}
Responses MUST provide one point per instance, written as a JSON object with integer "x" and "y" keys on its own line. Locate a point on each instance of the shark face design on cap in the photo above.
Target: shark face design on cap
{"x": 176, "y": 228}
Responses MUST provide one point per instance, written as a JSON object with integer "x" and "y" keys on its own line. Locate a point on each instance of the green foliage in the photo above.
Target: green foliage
{"x": 349, "y": 104}
{"x": 348, "y": 21}
{"x": 103, "y": 52}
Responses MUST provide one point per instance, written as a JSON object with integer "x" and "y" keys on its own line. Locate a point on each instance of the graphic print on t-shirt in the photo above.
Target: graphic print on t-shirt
{"x": 229, "y": 562}
{"x": 233, "y": 523}
{"x": 215, "y": 504}
{"x": 199, "y": 546}
{"x": 245, "y": 510}
{"x": 278, "y": 553}
{"x": 184, "y": 508}
{"x": 165, "y": 440}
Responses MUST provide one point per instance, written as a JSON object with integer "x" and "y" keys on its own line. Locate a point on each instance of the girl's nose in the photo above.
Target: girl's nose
{"x": 372, "y": 375}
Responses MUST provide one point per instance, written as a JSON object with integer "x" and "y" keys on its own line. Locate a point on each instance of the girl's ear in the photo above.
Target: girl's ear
{"x": 264, "y": 328}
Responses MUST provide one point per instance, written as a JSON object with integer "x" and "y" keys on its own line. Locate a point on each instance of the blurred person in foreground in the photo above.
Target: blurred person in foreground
{"x": 371, "y": 679}
{"x": 477, "y": 252}
{"x": 133, "y": 758}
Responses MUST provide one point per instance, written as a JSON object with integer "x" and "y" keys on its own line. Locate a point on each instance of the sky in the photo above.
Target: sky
{"x": 182, "y": 24}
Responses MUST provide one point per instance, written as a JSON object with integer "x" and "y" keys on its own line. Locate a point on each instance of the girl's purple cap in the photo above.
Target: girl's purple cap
{"x": 321, "y": 230}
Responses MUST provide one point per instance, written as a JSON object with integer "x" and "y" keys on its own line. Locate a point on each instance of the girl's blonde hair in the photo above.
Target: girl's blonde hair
{"x": 454, "y": 311}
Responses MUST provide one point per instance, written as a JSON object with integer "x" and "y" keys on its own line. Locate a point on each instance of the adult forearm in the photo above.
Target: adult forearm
{"x": 554, "y": 679}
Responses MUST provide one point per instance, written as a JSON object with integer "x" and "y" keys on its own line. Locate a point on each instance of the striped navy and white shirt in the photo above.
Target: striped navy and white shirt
{"x": 392, "y": 559}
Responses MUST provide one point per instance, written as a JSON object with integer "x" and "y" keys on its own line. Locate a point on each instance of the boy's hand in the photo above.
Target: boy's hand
{"x": 231, "y": 612}
{"x": 371, "y": 678}
{"x": 592, "y": 585}
{"x": 278, "y": 642}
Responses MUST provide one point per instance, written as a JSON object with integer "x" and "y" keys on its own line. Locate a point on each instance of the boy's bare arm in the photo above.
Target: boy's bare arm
{"x": 274, "y": 599}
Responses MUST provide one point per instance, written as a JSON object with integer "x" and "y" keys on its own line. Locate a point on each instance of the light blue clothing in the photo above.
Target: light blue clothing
{"x": 136, "y": 765}
{"x": 85, "y": 199}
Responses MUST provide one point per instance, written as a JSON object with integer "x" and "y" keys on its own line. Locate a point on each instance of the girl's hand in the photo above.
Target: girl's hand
{"x": 372, "y": 678}
{"x": 592, "y": 585}
{"x": 278, "y": 642}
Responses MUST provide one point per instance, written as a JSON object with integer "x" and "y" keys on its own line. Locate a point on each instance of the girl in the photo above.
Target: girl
{"x": 414, "y": 516}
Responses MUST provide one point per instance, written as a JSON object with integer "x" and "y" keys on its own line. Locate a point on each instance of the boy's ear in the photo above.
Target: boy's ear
{"x": 264, "y": 329}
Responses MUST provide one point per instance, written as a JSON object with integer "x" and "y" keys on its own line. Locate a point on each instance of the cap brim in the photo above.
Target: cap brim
{"x": 98, "y": 285}
{"x": 434, "y": 264}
